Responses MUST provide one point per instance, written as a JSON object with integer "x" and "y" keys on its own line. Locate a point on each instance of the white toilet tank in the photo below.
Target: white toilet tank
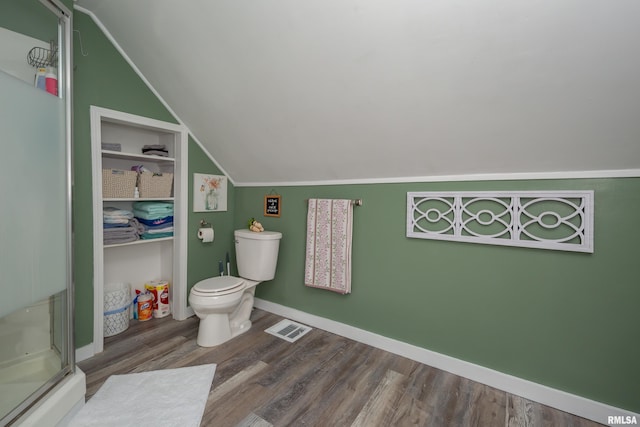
{"x": 257, "y": 254}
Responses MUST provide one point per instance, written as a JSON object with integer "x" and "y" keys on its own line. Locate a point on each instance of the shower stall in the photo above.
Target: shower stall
{"x": 39, "y": 384}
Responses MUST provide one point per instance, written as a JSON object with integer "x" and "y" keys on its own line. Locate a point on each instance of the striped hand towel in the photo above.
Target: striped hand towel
{"x": 328, "y": 255}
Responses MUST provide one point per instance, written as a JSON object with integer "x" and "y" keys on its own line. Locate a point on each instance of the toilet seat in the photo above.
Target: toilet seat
{"x": 216, "y": 286}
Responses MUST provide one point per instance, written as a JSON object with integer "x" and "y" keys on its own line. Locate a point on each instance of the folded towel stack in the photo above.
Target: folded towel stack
{"x": 117, "y": 226}
{"x": 154, "y": 219}
{"x": 149, "y": 220}
{"x": 155, "y": 150}
{"x": 117, "y": 235}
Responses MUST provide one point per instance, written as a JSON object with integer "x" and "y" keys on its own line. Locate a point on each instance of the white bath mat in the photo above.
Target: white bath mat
{"x": 170, "y": 397}
{"x": 288, "y": 330}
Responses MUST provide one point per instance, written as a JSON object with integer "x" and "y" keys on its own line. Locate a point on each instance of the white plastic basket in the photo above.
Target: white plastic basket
{"x": 116, "y": 308}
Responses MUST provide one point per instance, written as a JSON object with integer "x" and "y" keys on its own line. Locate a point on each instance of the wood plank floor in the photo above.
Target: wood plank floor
{"x": 320, "y": 380}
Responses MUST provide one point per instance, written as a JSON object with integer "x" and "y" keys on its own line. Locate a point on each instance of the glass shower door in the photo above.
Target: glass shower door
{"x": 35, "y": 227}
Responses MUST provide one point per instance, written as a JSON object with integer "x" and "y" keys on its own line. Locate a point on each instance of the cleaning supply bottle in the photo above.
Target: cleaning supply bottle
{"x": 51, "y": 81}
{"x": 39, "y": 82}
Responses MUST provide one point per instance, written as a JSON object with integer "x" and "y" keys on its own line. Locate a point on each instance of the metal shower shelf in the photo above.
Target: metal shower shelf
{"x": 40, "y": 57}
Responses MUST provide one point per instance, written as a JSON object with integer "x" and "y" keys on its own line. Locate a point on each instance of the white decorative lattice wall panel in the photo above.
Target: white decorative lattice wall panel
{"x": 558, "y": 220}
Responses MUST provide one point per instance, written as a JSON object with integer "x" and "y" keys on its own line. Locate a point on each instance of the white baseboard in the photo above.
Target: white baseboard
{"x": 558, "y": 399}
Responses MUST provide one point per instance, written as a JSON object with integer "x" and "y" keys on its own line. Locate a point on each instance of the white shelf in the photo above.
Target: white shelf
{"x": 140, "y": 199}
{"x": 123, "y": 155}
{"x": 164, "y": 257}
{"x": 139, "y": 242}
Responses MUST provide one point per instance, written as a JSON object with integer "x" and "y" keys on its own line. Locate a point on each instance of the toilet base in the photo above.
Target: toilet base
{"x": 243, "y": 327}
{"x": 216, "y": 329}
{"x": 213, "y": 330}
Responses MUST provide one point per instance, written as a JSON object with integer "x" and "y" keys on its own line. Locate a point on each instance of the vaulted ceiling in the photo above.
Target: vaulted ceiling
{"x": 320, "y": 90}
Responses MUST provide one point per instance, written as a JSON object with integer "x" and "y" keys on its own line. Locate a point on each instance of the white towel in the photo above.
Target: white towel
{"x": 328, "y": 257}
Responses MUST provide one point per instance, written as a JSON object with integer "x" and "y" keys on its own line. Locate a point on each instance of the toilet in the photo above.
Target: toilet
{"x": 224, "y": 303}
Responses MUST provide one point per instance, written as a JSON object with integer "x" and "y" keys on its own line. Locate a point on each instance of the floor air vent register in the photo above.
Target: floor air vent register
{"x": 288, "y": 330}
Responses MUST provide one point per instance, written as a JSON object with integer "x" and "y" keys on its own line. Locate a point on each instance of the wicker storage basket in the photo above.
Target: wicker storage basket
{"x": 156, "y": 185}
{"x": 117, "y": 300}
{"x": 117, "y": 183}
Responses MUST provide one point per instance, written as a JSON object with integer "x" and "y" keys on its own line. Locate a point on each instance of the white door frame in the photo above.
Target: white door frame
{"x": 179, "y": 283}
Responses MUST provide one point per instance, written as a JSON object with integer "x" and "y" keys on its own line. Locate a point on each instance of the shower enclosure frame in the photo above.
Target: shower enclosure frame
{"x": 37, "y": 400}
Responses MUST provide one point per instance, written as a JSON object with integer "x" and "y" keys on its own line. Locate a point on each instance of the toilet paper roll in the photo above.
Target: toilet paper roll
{"x": 205, "y": 234}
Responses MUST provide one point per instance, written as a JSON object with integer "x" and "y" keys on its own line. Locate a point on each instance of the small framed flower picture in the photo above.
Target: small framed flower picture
{"x": 209, "y": 193}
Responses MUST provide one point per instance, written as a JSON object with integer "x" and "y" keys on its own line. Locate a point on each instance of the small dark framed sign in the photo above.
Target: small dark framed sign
{"x": 272, "y": 205}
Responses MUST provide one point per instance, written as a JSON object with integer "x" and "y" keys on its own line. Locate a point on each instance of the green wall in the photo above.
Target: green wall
{"x": 103, "y": 78}
{"x": 31, "y": 18}
{"x": 204, "y": 257}
{"x": 566, "y": 320}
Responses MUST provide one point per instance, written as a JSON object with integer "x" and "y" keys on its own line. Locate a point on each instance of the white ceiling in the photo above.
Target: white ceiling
{"x": 317, "y": 90}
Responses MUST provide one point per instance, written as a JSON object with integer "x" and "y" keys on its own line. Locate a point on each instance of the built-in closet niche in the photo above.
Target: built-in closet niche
{"x": 143, "y": 260}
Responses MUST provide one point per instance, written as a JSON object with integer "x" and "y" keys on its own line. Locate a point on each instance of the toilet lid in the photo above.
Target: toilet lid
{"x": 216, "y": 285}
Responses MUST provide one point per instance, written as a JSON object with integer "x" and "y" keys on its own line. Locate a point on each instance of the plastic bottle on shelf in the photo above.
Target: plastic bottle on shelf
{"x": 41, "y": 75}
{"x": 51, "y": 81}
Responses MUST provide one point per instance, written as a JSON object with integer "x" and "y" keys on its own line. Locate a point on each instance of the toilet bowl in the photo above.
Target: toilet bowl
{"x": 224, "y": 303}
{"x": 213, "y": 300}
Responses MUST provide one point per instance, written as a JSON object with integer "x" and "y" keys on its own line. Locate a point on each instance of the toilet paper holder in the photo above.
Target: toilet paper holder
{"x": 205, "y": 232}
